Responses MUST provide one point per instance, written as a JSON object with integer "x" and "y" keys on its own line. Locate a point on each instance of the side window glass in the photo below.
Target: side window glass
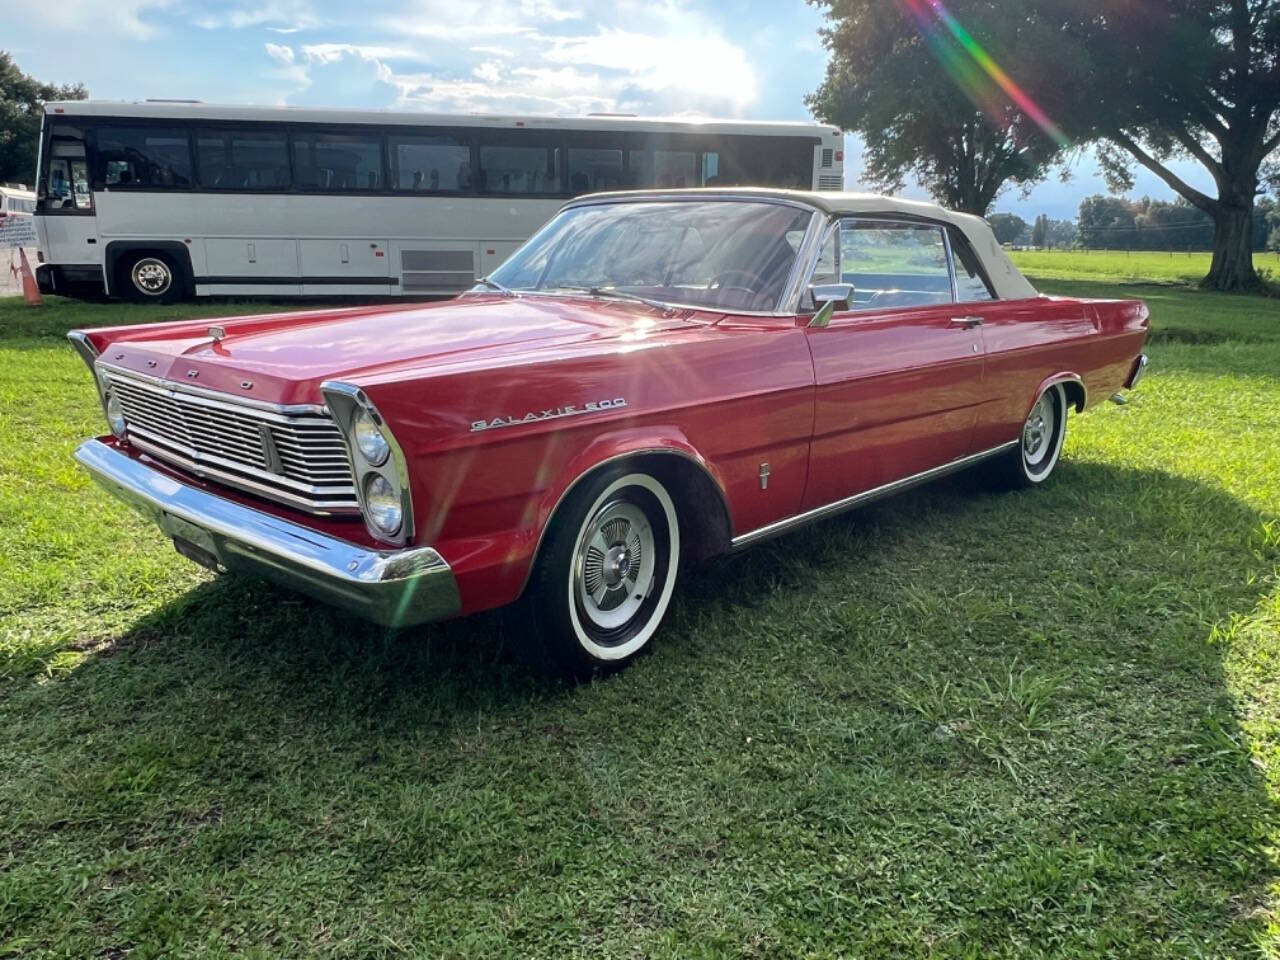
{"x": 591, "y": 171}
{"x": 971, "y": 281}
{"x": 430, "y": 165}
{"x": 243, "y": 160}
{"x": 145, "y": 157}
{"x": 515, "y": 170}
{"x": 327, "y": 161}
{"x": 894, "y": 264}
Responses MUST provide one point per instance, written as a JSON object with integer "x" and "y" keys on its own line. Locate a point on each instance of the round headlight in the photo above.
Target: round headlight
{"x": 382, "y": 504}
{"x": 370, "y": 440}
{"x": 115, "y": 414}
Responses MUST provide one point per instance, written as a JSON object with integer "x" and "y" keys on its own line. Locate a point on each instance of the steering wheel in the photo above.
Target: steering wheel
{"x": 733, "y": 280}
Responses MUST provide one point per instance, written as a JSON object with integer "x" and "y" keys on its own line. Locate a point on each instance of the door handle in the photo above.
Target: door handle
{"x": 967, "y": 322}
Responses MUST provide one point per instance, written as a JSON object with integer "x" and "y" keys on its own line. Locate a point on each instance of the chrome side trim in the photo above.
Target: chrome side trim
{"x": 392, "y": 587}
{"x": 848, "y": 503}
{"x": 346, "y": 400}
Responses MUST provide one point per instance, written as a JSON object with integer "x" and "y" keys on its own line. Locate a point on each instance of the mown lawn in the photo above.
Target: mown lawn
{"x": 1142, "y": 265}
{"x": 956, "y": 724}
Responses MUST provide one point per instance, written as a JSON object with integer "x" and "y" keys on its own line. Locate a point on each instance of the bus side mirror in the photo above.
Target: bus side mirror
{"x": 826, "y": 296}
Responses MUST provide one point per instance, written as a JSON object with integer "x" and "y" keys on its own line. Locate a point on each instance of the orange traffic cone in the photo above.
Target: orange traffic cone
{"x": 30, "y": 289}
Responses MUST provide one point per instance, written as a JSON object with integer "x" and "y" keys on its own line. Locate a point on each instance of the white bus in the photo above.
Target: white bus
{"x": 157, "y": 201}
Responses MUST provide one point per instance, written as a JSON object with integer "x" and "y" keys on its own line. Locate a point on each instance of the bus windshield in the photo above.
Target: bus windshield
{"x": 726, "y": 254}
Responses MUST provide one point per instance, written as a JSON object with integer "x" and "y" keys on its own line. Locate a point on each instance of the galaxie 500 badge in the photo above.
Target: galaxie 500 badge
{"x": 555, "y": 413}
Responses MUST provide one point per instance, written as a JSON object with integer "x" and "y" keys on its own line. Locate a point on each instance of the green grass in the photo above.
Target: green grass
{"x": 956, "y": 724}
{"x": 1113, "y": 265}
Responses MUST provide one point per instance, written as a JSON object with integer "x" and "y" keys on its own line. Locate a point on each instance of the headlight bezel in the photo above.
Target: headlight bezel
{"x": 346, "y": 403}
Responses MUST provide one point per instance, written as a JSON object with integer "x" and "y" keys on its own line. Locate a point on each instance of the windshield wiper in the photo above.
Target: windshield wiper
{"x": 495, "y": 285}
{"x": 613, "y": 293}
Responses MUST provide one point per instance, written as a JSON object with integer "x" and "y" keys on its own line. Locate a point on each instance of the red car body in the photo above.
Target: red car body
{"x": 501, "y": 405}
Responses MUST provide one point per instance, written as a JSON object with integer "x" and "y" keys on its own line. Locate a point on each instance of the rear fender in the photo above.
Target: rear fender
{"x": 1077, "y": 393}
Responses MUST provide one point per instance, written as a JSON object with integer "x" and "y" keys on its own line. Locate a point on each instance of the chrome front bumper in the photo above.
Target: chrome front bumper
{"x": 392, "y": 587}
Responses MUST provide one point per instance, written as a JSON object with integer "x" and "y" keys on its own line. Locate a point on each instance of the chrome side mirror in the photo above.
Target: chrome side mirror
{"x": 826, "y": 296}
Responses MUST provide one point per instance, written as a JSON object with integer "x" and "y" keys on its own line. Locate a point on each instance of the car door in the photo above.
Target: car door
{"x": 898, "y": 373}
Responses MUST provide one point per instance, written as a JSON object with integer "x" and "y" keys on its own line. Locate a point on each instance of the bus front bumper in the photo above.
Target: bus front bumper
{"x": 392, "y": 587}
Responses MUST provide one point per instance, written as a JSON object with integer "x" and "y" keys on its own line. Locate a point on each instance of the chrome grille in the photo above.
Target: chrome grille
{"x": 296, "y": 458}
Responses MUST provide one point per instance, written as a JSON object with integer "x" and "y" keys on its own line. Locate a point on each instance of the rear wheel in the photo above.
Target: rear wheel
{"x": 604, "y": 577}
{"x": 147, "y": 277}
{"x": 1040, "y": 443}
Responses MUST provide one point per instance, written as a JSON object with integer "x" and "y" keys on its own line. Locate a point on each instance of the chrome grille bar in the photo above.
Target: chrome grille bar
{"x": 220, "y": 439}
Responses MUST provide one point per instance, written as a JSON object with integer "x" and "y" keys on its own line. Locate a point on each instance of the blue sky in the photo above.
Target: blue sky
{"x": 732, "y": 58}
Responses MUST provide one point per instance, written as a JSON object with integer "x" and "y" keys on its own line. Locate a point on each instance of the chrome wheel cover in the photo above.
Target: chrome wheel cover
{"x": 1039, "y": 431}
{"x": 151, "y": 276}
{"x": 614, "y": 564}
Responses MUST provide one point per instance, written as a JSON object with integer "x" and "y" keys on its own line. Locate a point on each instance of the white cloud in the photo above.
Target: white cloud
{"x": 120, "y": 17}
{"x": 281, "y": 53}
{"x": 297, "y": 14}
{"x": 489, "y": 72}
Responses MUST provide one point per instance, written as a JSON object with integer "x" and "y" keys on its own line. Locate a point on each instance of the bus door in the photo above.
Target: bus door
{"x": 64, "y": 200}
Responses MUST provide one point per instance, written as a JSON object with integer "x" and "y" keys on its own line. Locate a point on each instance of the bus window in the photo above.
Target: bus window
{"x": 327, "y": 161}
{"x": 664, "y": 169}
{"x": 519, "y": 169}
{"x": 242, "y": 160}
{"x": 146, "y": 157}
{"x": 430, "y": 164}
{"x": 593, "y": 170}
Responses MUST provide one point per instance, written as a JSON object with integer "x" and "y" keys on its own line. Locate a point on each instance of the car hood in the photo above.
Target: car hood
{"x": 283, "y": 358}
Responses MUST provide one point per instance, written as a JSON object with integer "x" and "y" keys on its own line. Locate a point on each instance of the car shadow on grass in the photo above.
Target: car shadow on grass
{"x": 1009, "y": 721}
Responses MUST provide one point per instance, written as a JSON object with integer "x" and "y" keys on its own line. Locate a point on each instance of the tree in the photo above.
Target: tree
{"x": 923, "y": 108}
{"x": 1008, "y": 227}
{"x": 1040, "y": 232}
{"x": 1153, "y": 82}
{"x": 1062, "y": 233}
{"x": 22, "y": 100}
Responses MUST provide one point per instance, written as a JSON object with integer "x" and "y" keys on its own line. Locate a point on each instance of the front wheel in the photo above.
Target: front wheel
{"x": 1039, "y": 445}
{"x": 603, "y": 579}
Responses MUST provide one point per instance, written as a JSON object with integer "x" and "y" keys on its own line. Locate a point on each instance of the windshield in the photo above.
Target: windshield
{"x": 725, "y": 254}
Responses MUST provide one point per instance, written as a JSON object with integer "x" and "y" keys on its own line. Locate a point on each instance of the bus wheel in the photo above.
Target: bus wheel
{"x": 146, "y": 277}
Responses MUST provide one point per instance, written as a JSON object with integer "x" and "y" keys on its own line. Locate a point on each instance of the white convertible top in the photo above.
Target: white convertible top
{"x": 1010, "y": 284}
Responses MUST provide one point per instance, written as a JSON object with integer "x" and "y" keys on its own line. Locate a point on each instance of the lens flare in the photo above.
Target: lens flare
{"x": 973, "y": 69}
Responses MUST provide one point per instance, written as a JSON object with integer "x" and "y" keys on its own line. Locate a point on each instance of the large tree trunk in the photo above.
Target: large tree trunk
{"x": 1232, "y": 267}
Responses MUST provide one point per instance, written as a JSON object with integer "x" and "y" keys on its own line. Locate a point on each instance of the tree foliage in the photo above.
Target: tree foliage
{"x": 1008, "y": 227}
{"x": 22, "y": 98}
{"x": 1156, "y": 81}
{"x": 921, "y": 111}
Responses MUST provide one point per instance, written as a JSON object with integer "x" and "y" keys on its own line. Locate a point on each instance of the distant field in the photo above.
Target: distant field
{"x": 1118, "y": 265}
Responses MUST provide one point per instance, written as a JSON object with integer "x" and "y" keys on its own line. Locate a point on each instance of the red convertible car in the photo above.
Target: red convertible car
{"x": 652, "y": 379}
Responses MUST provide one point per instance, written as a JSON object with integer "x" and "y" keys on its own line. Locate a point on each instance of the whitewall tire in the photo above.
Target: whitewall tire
{"x": 603, "y": 579}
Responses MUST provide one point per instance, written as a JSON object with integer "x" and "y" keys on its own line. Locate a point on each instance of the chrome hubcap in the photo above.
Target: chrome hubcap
{"x": 151, "y": 276}
{"x": 1037, "y": 435}
{"x": 614, "y": 568}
